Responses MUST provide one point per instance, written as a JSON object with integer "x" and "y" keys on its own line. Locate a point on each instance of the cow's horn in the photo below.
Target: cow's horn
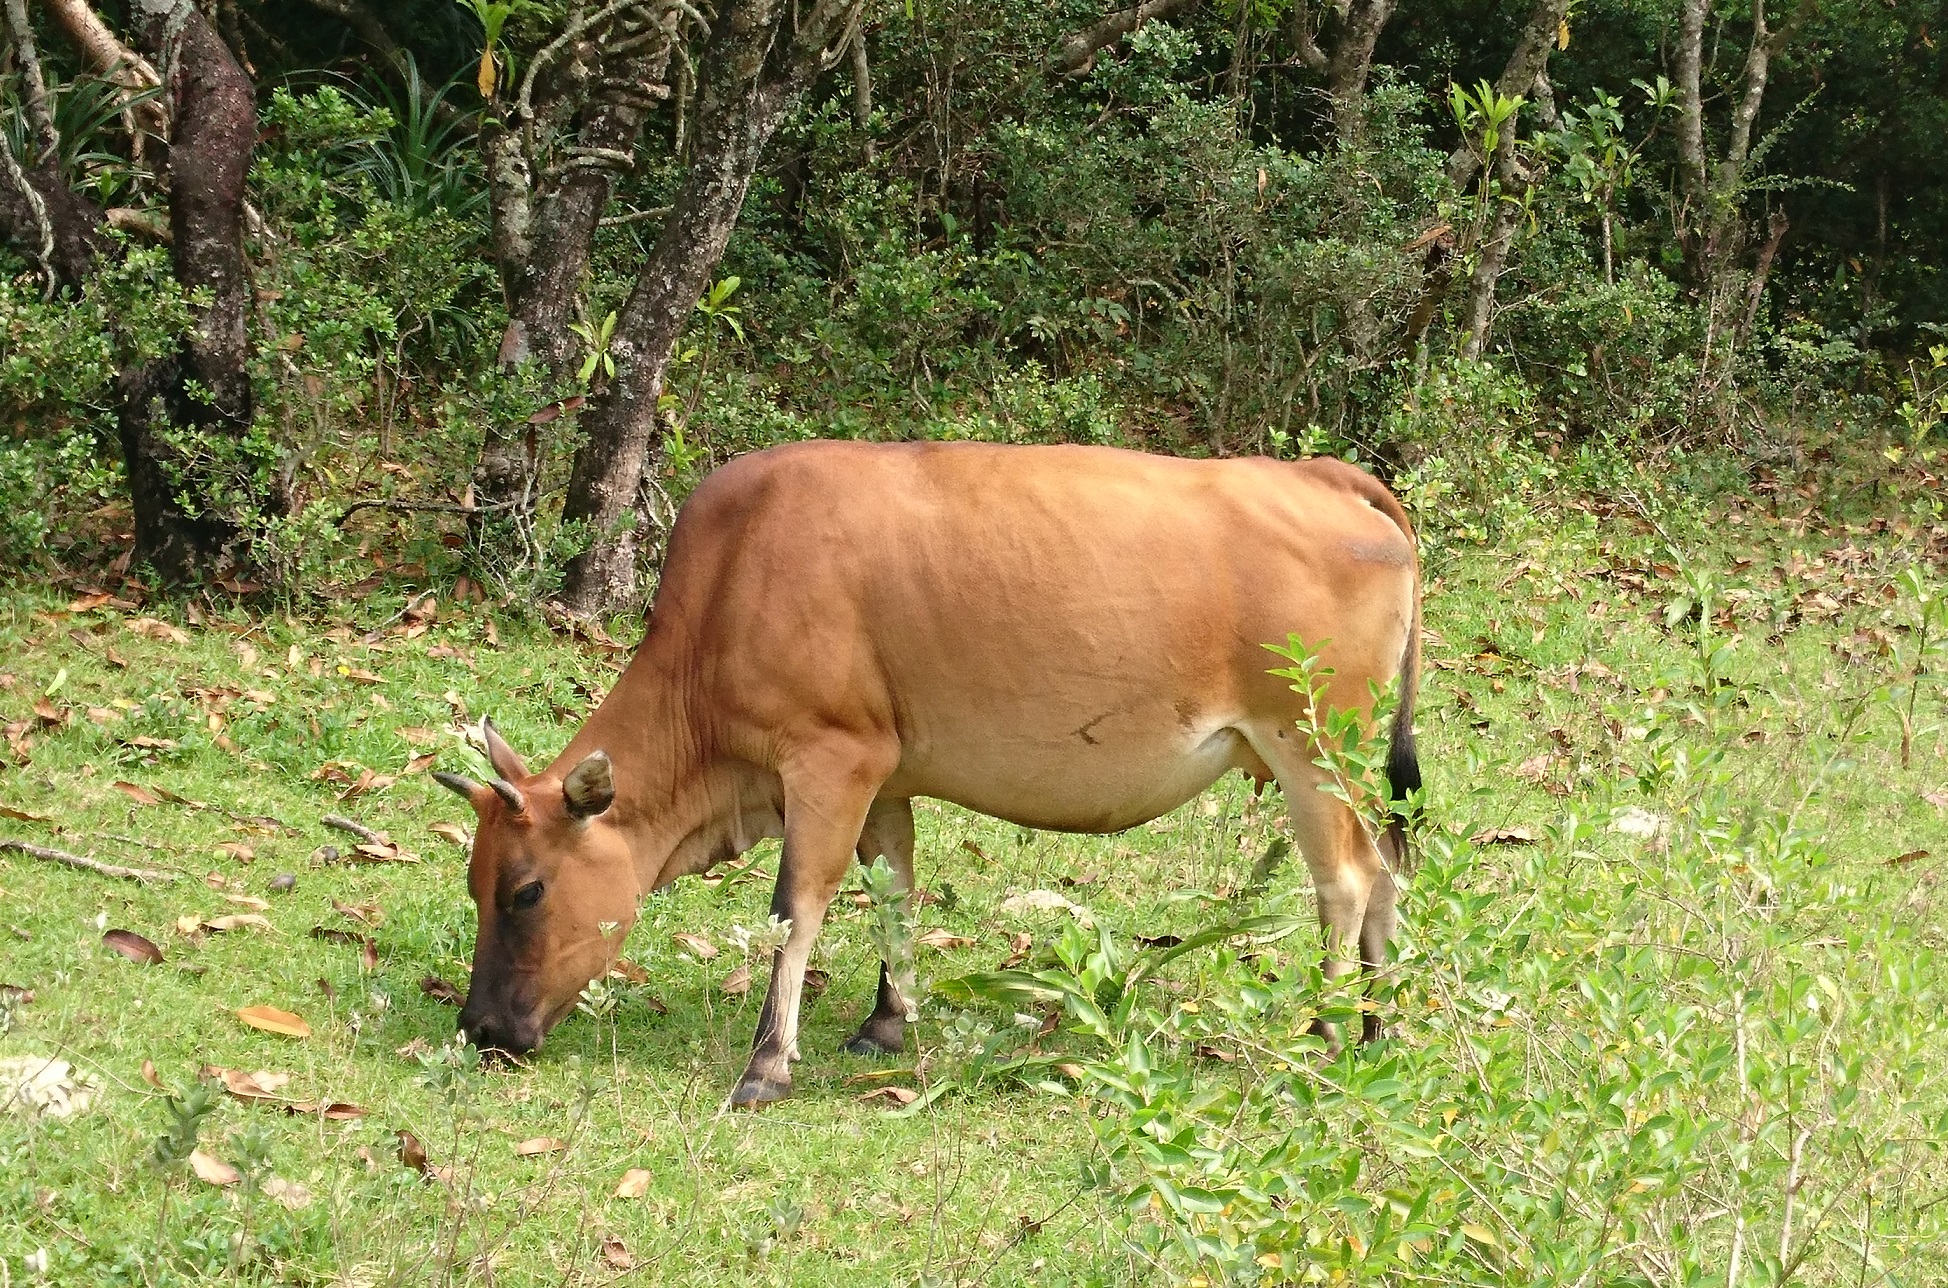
{"x": 459, "y": 784}
{"x": 509, "y": 793}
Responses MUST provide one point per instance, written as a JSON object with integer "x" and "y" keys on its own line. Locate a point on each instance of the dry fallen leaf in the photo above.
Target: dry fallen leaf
{"x": 212, "y": 1170}
{"x": 615, "y": 1255}
{"x": 248, "y": 901}
{"x": 943, "y": 939}
{"x": 624, "y": 969}
{"x": 1937, "y": 799}
{"x": 441, "y": 991}
{"x": 1504, "y": 836}
{"x": 1019, "y": 946}
{"x": 150, "y": 1076}
{"x": 237, "y": 850}
{"x": 411, "y": 1152}
{"x": 289, "y": 1193}
{"x": 261, "y": 1085}
{"x": 453, "y": 832}
{"x": 1046, "y": 901}
{"x": 8, "y": 811}
{"x": 696, "y": 945}
{"x": 1902, "y": 860}
{"x": 238, "y": 921}
{"x": 140, "y": 795}
{"x": 634, "y": 1184}
{"x": 540, "y": 1145}
{"x": 272, "y": 1020}
{"x": 737, "y": 983}
{"x": 895, "y": 1096}
{"x": 133, "y": 946}
{"x": 366, "y": 913}
{"x": 155, "y": 630}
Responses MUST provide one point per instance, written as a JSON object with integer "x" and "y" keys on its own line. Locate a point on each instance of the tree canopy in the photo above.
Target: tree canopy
{"x": 501, "y": 278}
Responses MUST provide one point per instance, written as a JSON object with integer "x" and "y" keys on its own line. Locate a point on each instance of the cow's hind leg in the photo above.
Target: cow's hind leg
{"x": 1350, "y": 880}
{"x": 889, "y": 834}
{"x": 827, "y": 795}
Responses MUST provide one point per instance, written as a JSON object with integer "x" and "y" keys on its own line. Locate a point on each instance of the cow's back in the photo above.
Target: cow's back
{"x": 1067, "y": 636}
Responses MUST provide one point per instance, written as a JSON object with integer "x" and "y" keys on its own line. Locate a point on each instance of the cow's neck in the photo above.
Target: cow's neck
{"x": 683, "y": 806}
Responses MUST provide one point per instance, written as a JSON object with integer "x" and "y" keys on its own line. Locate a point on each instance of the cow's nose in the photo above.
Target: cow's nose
{"x": 491, "y": 1035}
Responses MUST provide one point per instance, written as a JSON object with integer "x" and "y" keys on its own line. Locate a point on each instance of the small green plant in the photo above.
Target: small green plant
{"x": 1920, "y": 658}
{"x": 1350, "y": 743}
{"x": 186, "y": 1112}
{"x": 595, "y": 336}
{"x": 891, "y": 929}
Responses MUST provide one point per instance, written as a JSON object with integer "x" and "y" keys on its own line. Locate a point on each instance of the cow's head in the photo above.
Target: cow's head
{"x": 555, "y": 888}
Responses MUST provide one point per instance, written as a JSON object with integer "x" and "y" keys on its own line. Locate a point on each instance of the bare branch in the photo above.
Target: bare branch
{"x": 1758, "y": 60}
{"x": 1305, "y": 41}
{"x": 113, "y": 60}
{"x": 36, "y": 207}
{"x": 1360, "y": 24}
{"x": 40, "y": 112}
{"x": 85, "y": 864}
{"x": 553, "y": 50}
{"x": 1077, "y": 53}
{"x": 862, "y": 95}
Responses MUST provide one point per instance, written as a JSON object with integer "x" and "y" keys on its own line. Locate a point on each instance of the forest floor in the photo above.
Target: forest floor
{"x": 209, "y": 743}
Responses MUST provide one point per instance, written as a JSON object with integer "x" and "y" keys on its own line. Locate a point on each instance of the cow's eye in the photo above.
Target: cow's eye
{"x": 528, "y": 895}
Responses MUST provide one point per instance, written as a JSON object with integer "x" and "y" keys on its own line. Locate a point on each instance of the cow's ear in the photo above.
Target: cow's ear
{"x": 505, "y": 760}
{"x": 590, "y": 787}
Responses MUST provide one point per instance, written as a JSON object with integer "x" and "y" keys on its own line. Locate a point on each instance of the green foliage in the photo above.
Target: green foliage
{"x": 185, "y": 1113}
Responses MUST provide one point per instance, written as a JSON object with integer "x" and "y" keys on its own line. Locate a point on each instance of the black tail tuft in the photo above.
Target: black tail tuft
{"x": 1403, "y": 765}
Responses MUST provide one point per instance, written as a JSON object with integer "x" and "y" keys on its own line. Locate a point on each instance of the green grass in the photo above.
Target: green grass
{"x": 1563, "y": 658}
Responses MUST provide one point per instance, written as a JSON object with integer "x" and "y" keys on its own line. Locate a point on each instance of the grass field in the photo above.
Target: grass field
{"x": 1672, "y": 1015}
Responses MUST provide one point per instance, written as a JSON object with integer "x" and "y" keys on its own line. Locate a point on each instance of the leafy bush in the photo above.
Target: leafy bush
{"x": 1678, "y": 1040}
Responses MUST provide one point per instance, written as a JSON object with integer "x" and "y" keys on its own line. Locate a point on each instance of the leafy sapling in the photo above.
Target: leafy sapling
{"x": 891, "y": 929}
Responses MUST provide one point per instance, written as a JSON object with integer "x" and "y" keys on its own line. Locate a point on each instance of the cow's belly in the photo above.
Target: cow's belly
{"x": 1120, "y": 771}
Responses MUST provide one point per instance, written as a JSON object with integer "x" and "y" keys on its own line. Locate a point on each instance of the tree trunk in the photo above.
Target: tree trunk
{"x": 754, "y": 66}
{"x": 1525, "y": 74}
{"x": 1351, "y": 63}
{"x": 183, "y": 524}
{"x": 1711, "y": 227}
{"x": 543, "y": 236}
{"x": 1489, "y": 262}
{"x": 1077, "y": 53}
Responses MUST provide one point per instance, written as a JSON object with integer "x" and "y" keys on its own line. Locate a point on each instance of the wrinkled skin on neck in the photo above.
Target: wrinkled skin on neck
{"x": 556, "y": 893}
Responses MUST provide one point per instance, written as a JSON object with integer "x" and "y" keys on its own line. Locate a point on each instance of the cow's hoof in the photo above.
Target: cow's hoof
{"x": 865, "y": 1042}
{"x": 755, "y": 1091}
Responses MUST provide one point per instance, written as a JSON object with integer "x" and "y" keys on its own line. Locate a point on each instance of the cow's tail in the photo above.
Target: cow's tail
{"x": 1403, "y": 765}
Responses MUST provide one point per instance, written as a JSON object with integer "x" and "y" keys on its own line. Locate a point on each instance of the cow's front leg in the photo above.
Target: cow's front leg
{"x": 888, "y": 833}
{"x": 826, "y": 799}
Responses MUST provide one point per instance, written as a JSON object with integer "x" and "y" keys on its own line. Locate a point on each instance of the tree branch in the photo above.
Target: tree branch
{"x": 42, "y": 852}
{"x": 1689, "y": 69}
{"x": 1758, "y": 62}
{"x": 373, "y": 32}
{"x": 112, "y": 59}
{"x": 1305, "y": 42}
{"x": 1077, "y": 53}
{"x": 40, "y": 112}
{"x": 1527, "y": 66}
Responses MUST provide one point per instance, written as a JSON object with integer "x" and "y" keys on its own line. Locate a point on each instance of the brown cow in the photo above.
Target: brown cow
{"x": 1069, "y": 638}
